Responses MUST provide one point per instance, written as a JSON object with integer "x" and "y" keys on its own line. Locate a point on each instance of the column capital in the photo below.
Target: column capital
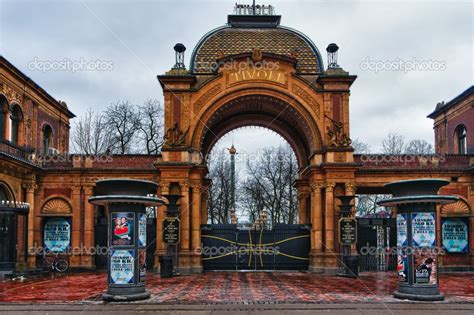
{"x": 76, "y": 189}
{"x": 30, "y": 187}
{"x": 184, "y": 185}
{"x": 303, "y": 195}
{"x": 88, "y": 190}
{"x": 329, "y": 186}
{"x": 350, "y": 188}
{"x": 316, "y": 187}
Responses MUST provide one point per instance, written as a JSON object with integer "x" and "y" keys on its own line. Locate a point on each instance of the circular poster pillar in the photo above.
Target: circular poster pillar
{"x": 126, "y": 202}
{"x": 417, "y": 244}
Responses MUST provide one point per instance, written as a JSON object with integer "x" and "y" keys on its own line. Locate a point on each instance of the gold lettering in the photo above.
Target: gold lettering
{"x": 253, "y": 74}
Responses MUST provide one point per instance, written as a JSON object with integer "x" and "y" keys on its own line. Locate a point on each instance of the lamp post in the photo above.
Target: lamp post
{"x": 415, "y": 202}
{"x": 126, "y": 201}
{"x": 171, "y": 235}
{"x": 347, "y": 237}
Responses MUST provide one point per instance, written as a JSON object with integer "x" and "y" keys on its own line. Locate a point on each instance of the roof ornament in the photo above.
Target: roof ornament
{"x": 179, "y": 50}
{"x": 253, "y": 9}
{"x": 332, "y": 55}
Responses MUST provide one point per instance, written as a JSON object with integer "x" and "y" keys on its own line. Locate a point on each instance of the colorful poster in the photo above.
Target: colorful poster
{"x": 402, "y": 239}
{"x": 142, "y": 264}
{"x": 402, "y": 268}
{"x": 122, "y": 267}
{"x": 425, "y": 267}
{"x": 57, "y": 234}
{"x": 454, "y": 235}
{"x": 122, "y": 233}
{"x": 142, "y": 229}
{"x": 423, "y": 229}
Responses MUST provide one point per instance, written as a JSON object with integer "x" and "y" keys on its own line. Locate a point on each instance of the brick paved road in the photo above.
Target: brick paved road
{"x": 226, "y": 287}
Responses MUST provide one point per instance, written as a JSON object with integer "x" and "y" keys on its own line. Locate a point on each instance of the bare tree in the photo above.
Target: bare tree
{"x": 219, "y": 193}
{"x": 360, "y": 147}
{"x": 393, "y": 144}
{"x": 151, "y": 126}
{"x": 419, "y": 147}
{"x": 90, "y": 134}
{"x": 367, "y": 204}
{"x": 123, "y": 121}
{"x": 270, "y": 185}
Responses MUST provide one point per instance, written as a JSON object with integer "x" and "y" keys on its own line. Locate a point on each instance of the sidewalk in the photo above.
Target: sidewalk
{"x": 232, "y": 290}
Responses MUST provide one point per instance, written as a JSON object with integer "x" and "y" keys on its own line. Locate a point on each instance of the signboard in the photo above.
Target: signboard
{"x": 57, "y": 234}
{"x": 402, "y": 239}
{"x": 142, "y": 229}
{"x": 423, "y": 229}
{"x": 171, "y": 230}
{"x": 347, "y": 231}
{"x": 454, "y": 235}
{"x": 425, "y": 267}
{"x": 122, "y": 232}
{"x": 121, "y": 266}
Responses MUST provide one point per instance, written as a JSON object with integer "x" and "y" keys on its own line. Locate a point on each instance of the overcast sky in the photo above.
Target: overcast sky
{"x": 134, "y": 42}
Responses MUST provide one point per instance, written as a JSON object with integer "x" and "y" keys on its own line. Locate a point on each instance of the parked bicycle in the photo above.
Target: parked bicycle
{"x": 53, "y": 263}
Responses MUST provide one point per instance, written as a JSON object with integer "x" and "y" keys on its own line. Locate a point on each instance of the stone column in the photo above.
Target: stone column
{"x": 30, "y": 198}
{"x": 316, "y": 255}
{"x": 7, "y": 125}
{"x": 88, "y": 227}
{"x": 350, "y": 190}
{"x": 76, "y": 224}
{"x": 37, "y": 233}
{"x": 329, "y": 218}
{"x": 160, "y": 217}
{"x": 196, "y": 227}
{"x": 184, "y": 255}
{"x": 303, "y": 217}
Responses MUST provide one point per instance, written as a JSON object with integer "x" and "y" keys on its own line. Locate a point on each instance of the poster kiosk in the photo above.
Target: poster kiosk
{"x": 126, "y": 202}
{"x": 417, "y": 244}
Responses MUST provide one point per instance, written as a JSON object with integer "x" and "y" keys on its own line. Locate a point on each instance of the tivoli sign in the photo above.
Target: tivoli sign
{"x": 252, "y": 74}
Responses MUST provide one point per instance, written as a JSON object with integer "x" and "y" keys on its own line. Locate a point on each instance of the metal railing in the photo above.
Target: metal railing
{"x": 23, "y": 153}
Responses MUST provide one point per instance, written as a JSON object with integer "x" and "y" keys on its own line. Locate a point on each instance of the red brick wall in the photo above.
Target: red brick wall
{"x": 467, "y": 119}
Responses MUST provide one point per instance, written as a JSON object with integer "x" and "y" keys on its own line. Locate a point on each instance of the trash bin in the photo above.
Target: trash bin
{"x": 166, "y": 266}
{"x": 352, "y": 266}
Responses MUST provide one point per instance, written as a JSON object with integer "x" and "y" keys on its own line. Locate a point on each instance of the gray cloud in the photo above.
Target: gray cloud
{"x": 138, "y": 36}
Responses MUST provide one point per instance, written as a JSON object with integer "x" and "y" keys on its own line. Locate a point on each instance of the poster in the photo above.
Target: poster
{"x": 142, "y": 264}
{"x": 425, "y": 267}
{"x": 402, "y": 267}
{"x": 122, "y": 233}
{"x": 142, "y": 229}
{"x": 454, "y": 235}
{"x": 122, "y": 266}
{"x": 57, "y": 234}
{"x": 402, "y": 239}
{"x": 423, "y": 229}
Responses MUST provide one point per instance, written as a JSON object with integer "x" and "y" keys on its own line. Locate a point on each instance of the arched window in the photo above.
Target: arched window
{"x": 17, "y": 121}
{"x": 461, "y": 139}
{"x": 47, "y": 138}
{"x": 3, "y": 112}
{"x": 3, "y": 193}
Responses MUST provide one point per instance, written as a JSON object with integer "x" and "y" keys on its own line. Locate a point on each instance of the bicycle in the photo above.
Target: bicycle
{"x": 53, "y": 263}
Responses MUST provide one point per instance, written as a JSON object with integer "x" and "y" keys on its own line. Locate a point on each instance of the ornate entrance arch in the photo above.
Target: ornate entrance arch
{"x": 258, "y": 74}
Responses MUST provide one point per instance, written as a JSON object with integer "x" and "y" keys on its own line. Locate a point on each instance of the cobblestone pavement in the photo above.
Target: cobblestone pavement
{"x": 233, "y": 287}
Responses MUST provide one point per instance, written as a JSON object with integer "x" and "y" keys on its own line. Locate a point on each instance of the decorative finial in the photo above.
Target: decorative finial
{"x": 332, "y": 55}
{"x": 179, "y": 50}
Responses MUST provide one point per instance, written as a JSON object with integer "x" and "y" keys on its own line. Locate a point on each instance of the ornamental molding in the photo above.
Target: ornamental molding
{"x": 56, "y": 205}
{"x": 299, "y": 91}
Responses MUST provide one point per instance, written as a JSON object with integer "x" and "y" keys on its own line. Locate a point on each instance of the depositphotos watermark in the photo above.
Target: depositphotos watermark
{"x": 217, "y": 251}
{"x": 70, "y": 65}
{"x": 402, "y": 65}
{"x": 393, "y": 251}
{"x": 238, "y": 65}
{"x": 422, "y": 159}
{"x": 68, "y": 158}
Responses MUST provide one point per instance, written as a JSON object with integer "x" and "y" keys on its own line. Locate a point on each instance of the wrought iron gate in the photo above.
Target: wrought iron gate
{"x": 226, "y": 247}
{"x": 376, "y": 244}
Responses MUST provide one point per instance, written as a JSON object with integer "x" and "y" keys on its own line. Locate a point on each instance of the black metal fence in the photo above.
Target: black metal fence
{"x": 226, "y": 247}
{"x": 376, "y": 244}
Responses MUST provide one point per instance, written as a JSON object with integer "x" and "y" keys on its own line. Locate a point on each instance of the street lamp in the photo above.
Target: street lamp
{"x": 347, "y": 237}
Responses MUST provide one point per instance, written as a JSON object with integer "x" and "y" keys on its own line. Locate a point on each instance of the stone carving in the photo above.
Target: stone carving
{"x": 257, "y": 55}
{"x": 57, "y": 206}
{"x": 307, "y": 98}
{"x": 206, "y": 97}
{"x": 336, "y": 136}
{"x": 174, "y": 137}
{"x": 457, "y": 208}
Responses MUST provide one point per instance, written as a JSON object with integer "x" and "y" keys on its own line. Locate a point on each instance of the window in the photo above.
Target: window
{"x": 3, "y": 193}
{"x": 47, "y": 138}
{"x": 17, "y": 120}
{"x": 3, "y": 112}
{"x": 461, "y": 139}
